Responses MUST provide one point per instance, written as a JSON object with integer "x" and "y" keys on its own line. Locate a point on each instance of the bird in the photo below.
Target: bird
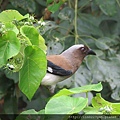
{"x": 64, "y": 65}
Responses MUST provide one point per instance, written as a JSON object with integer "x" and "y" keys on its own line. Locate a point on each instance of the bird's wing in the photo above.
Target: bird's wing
{"x": 55, "y": 69}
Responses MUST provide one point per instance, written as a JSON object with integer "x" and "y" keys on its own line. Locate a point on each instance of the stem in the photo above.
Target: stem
{"x": 118, "y": 2}
{"x": 86, "y": 94}
{"x": 69, "y": 3}
{"x": 89, "y": 37}
{"x": 82, "y": 40}
{"x": 76, "y": 32}
{"x": 87, "y": 97}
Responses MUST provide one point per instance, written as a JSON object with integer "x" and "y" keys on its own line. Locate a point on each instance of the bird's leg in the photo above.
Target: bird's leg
{"x": 51, "y": 88}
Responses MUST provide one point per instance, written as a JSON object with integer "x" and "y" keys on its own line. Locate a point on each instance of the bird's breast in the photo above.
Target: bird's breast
{"x": 51, "y": 79}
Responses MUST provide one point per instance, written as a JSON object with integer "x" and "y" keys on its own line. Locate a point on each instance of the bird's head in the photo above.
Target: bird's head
{"x": 84, "y": 50}
{"x": 78, "y": 51}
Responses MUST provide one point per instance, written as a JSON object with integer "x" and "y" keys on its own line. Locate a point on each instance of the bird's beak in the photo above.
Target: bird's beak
{"x": 91, "y": 52}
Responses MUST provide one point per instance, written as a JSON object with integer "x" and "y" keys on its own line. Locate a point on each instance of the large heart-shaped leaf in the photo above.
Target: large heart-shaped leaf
{"x": 9, "y": 46}
{"x": 87, "y": 88}
{"x": 12, "y": 27}
{"x": 34, "y": 37}
{"x": 105, "y": 106}
{"x": 65, "y": 105}
{"x": 10, "y": 15}
{"x": 33, "y": 70}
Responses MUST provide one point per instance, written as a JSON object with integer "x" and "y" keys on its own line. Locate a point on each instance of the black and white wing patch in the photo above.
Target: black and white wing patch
{"x": 54, "y": 69}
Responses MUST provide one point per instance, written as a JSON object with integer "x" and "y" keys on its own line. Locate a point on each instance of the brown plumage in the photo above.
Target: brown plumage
{"x": 59, "y": 62}
{"x": 66, "y": 64}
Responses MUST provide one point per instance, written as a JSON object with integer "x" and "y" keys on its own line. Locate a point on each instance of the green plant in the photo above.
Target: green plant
{"x": 92, "y": 22}
{"x": 95, "y": 23}
{"x": 61, "y": 103}
{"x": 22, "y": 50}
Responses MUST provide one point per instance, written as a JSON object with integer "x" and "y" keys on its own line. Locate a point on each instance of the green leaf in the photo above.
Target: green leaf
{"x": 54, "y": 47}
{"x": 13, "y": 76}
{"x": 101, "y": 45}
{"x": 91, "y": 110}
{"x": 33, "y": 70}
{"x": 66, "y": 14}
{"x": 12, "y": 27}
{"x": 41, "y": 111}
{"x": 108, "y": 7}
{"x": 116, "y": 91}
{"x": 101, "y": 71}
{"x": 4, "y": 85}
{"x": 55, "y": 6}
{"x": 83, "y": 3}
{"x": 34, "y": 37}
{"x": 88, "y": 24}
{"x": 82, "y": 76}
{"x": 31, "y": 111}
{"x": 87, "y": 88}
{"x": 49, "y": 1}
{"x": 31, "y": 33}
{"x": 10, "y": 15}
{"x": 11, "y": 101}
{"x": 9, "y": 46}
{"x": 65, "y": 105}
{"x": 28, "y": 5}
{"x": 42, "y": 2}
{"x": 24, "y": 115}
{"x": 107, "y": 41}
{"x": 48, "y": 26}
{"x": 42, "y": 43}
{"x": 110, "y": 27}
{"x": 105, "y": 106}
{"x": 91, "y": 62}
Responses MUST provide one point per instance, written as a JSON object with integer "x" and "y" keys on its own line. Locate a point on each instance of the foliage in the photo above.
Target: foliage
{"x": 98, "y": 27}
{"x": 63, "y": 104}
{"x": 95, "y": 23}
{"x": 21, "y": 51}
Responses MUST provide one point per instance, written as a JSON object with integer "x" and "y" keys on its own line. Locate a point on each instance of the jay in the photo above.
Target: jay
{"x": 63, "y": 66}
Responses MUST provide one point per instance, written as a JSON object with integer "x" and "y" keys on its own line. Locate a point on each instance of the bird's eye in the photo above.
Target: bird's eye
{"x": 82, "y": 48}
